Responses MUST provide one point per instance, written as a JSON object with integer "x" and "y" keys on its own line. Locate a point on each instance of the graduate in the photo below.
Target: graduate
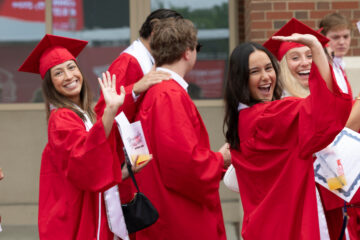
{"x": 272, "y": 141}
{"x": 80, "y": 160}
{"x": 182, "y": 180}
{"x": 295, "y": 60}
{"x": 134, "y": 66}
{"x": 295, "y": 63}
{"x": 134, "y": 69}
{"x": 338, "y": 30}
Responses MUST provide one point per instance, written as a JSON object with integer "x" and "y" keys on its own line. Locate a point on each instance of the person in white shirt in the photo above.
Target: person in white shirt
{"x": 338, "y": 30}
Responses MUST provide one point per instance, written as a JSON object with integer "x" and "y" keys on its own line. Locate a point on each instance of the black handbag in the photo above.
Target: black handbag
{"x": 139, "y": 213}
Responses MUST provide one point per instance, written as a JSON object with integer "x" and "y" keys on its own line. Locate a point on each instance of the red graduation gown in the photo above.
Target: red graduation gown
{"x": 333, "y": 207}
{"x": 274, "y": 163}
{"x": 76, "y": 165}
{"x": 182, "y": 180}
{"x": 128, "y": 71}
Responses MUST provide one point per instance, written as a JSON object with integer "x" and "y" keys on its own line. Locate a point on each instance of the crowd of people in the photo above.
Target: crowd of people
{"x": 277, "y": 115}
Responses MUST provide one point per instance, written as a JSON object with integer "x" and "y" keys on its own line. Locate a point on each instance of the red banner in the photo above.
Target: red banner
{"x": 67, "y": 14}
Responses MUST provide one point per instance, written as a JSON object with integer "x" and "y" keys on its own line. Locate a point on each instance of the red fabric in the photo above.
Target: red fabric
{"x": 53, "y": 56}
{"x": 279, "y": 48}
{"x": 354, "y": 222}
{"x": 274, "y": 163}
{"x": 76, "y": 165}
{"x": 127, "y": 71}
{"x": 182, "y": 180}
{"x": 333, "y": 206}
{"x": 285, "y": 47}
{"x": 334, "y": 220}
{"x": 51, "y": 51}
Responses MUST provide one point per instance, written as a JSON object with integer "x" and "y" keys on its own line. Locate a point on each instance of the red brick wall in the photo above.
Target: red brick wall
{"x": 262, "y": 18}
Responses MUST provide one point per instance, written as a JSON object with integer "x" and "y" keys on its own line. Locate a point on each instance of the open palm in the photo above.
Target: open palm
{"x": 108, "y": 88}
{"x": 305, "y": 39}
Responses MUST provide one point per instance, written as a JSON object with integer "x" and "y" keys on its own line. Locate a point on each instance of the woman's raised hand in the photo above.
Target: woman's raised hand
{"x": 319, "y": 58}
{"x": 305, "y": 39}
{"x": 112, "y": 99}
{"x": 108, "y": 87}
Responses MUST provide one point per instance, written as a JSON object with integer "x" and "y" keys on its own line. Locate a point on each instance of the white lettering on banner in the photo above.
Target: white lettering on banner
{"x": 64, "y": 12}
{"x": 64, "y": 3}
{"x": 22, "y": 5}
{"x": 40, "y": 6}
{"x": 73, "y": 12}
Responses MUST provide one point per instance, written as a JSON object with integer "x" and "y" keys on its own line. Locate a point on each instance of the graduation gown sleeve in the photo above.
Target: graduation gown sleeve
{"x": 317, "y": 113}
{"x": 85, "y": 158}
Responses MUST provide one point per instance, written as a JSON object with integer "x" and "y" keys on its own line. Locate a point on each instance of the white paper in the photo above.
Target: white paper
{"x": 346, "y": 146}
{"x": 132, "y": 136}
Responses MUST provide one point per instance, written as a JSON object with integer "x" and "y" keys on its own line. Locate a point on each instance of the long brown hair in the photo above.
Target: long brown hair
{"x": 53, "y": 97}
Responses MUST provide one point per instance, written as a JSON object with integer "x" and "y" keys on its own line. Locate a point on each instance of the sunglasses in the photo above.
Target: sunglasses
{"x": 198, "y": 47}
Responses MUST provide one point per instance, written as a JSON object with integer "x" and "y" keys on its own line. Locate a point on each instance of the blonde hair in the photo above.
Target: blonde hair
{"x": 290, "y": 84}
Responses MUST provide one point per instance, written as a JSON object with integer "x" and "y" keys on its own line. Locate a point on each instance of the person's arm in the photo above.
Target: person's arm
{"x": 1, "y": 174}
{"x": 150, "y": 79}
{"x": 129, "y": 74}
{"x": 318, "y": 54}
{"x": 112, "y": 99}
{"x": 225, "y": 152}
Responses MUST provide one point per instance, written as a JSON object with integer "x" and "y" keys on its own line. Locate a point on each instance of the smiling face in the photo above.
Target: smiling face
{"x": 339, "y": 41}
{"x": 299, "y": 63}
{"x": 67, "y": 80}
{"x": 262, "y": 76}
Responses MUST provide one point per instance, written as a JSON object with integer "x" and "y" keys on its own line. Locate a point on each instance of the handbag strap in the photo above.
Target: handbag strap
{"x": 131, "y": 173}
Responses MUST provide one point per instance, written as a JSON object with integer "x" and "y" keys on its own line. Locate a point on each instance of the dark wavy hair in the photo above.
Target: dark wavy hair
{"x": 52, "y": 96}
{"x": 237, "y": 87}
{"x": 147, "y": 27}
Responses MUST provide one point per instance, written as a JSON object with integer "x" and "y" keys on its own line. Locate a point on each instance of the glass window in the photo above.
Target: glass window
{"x": 22, "y": 25}
{"x": 206, "y": 80}
{"x": 105, "y": 24}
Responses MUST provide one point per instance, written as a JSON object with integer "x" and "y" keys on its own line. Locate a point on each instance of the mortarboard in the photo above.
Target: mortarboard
{"x": 51, "y": 51}
{"x": 279, "y": 48}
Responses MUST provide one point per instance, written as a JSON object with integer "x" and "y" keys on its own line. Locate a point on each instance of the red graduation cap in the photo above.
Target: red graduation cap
{"x": 51, "y": 51}
{"x": 279, "y": 48}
